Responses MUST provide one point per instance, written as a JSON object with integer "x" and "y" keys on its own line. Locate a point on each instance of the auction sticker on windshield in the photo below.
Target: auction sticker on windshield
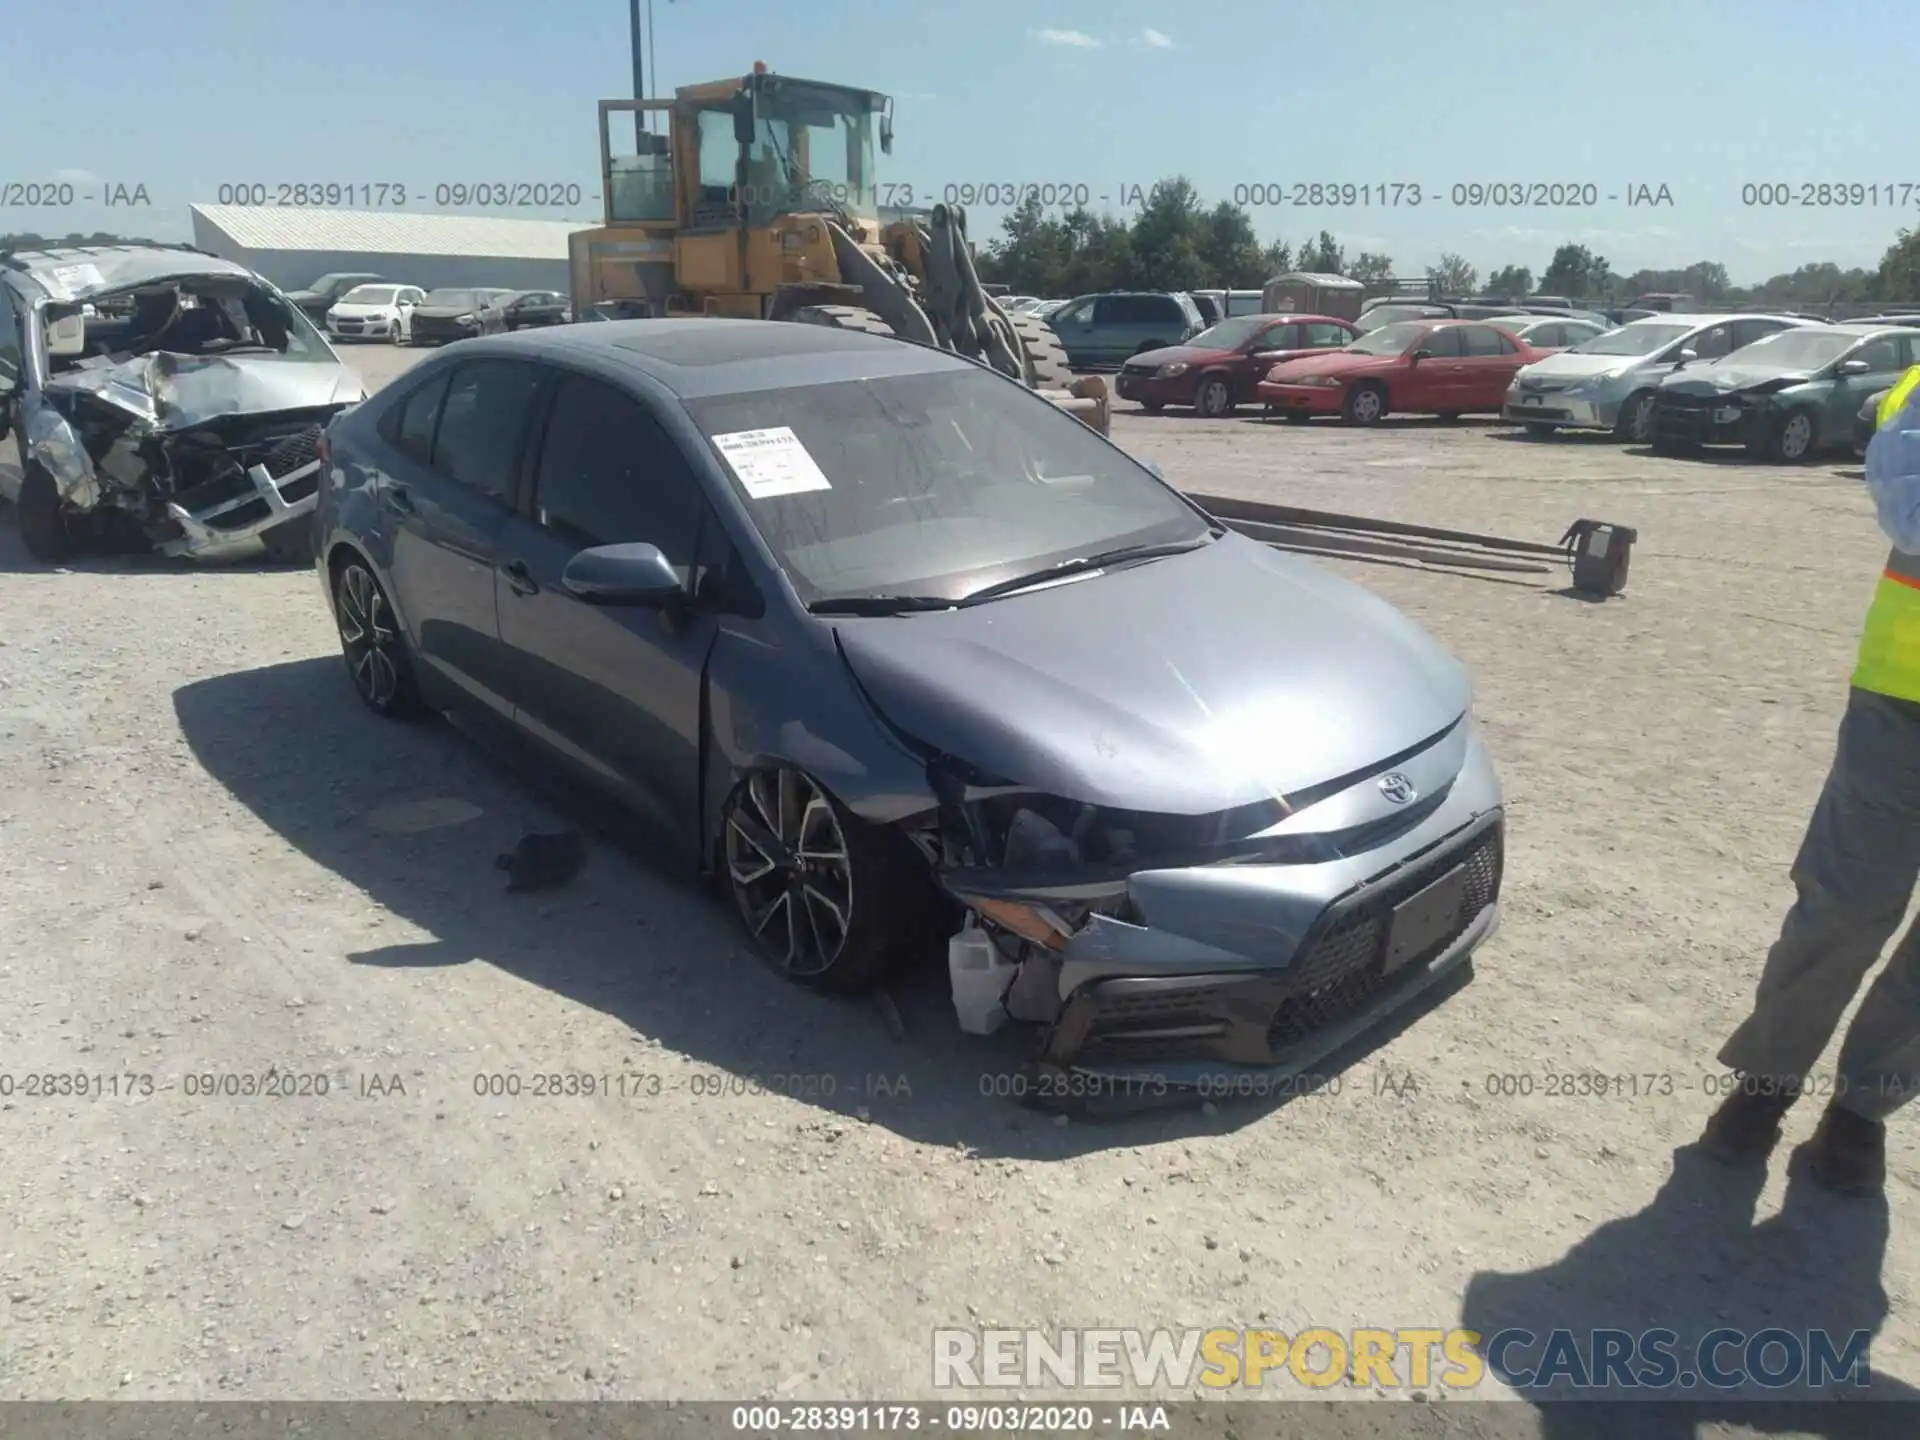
{"x": 771, "y": 462}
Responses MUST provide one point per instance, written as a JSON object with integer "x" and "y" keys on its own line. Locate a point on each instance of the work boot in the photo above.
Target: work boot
{"x": 1746, "y": 1127}
{"x": 1850, "y": 1153}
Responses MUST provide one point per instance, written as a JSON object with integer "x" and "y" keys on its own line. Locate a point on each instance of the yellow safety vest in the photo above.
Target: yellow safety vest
{"x": 1897, "y": 398}
{"x": 1889, "y": 662}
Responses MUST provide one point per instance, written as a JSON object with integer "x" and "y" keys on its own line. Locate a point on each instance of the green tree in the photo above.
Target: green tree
{"x": 1453, "y": 275}
{"x": 1370, "y": 267}
{"x": 1899, "y": 273}
{"x": 1165, "y": 239}
{"x": 1323, "y": 257}
{"x": 1229, "y": 250}
{"x": 1277, "y": 259}
{"x": 1577, "y": 272}
{"x": 1510, "y": 282}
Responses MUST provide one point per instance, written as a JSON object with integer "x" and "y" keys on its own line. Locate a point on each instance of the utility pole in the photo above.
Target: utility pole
{"x": 639, "y": 79}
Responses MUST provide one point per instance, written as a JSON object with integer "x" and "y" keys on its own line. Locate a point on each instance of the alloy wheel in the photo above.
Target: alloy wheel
{"x": 369, "y": 638}
{"x": 1213, "y": 398}
{"x": 1366, "y": 406}
{"x": 790, "y": 870}
{"x": 1640, "y": 420}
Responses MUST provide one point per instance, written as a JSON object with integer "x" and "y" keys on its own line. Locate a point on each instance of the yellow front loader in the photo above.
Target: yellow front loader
{"x": 759, "y": 199}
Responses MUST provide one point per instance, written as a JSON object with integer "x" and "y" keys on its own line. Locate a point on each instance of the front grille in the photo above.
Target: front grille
{"x": 1538, "y": 412}
{"x": 1139, "y": 372}
{"x": 1342, "y": 972}
{"x": 295, "y": 450}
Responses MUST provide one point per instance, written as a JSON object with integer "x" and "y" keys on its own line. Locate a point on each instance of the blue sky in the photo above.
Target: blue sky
{"x": 1701, "y": 96}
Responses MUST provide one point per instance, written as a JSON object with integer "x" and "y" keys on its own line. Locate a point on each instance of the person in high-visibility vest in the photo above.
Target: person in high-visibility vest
{"x": 1855, "y": 873}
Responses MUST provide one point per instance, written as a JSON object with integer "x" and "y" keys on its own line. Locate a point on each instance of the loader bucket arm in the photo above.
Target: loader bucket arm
{"x": 883, "y": 293}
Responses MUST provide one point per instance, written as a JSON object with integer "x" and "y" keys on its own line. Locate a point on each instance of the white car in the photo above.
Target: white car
{"x": 375, "y": 312}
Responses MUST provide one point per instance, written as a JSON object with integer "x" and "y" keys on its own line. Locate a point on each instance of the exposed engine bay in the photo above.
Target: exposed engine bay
{"x": 185, "y": 415}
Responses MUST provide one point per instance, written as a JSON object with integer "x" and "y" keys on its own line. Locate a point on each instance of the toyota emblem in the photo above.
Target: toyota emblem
{"x": 1397, "y": 788}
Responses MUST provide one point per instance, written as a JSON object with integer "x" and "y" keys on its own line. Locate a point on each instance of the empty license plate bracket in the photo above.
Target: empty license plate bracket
{"x": 1425, "y": 919}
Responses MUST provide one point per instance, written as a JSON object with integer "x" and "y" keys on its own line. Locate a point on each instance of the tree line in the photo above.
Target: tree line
{"x": 1177, "y": 242}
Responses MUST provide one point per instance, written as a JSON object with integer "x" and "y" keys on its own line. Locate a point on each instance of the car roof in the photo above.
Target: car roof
{"x": 695, "y": 357}
{"x": 72, "y": 272}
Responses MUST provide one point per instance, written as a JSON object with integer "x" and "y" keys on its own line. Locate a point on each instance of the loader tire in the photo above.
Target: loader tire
{"x": 1047, "y": 365}
{"x": 842, "y": 317}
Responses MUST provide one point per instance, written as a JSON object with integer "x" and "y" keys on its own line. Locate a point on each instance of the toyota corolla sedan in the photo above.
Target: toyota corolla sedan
{"x": 880, "y": 638}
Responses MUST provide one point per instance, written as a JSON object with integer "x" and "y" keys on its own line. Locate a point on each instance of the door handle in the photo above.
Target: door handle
{"x": 519, "y": 577}
{"x": 399, "y": 499}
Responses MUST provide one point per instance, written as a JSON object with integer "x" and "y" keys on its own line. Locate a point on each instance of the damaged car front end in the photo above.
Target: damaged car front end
{"x": 1233, "y": 851}
{"x": 177, "y": 412}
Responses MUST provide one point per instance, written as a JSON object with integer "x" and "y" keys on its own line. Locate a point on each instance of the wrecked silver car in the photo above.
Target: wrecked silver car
{"x": 160, "y": 397}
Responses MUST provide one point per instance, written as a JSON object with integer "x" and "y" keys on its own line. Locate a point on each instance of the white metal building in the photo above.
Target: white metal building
{"x": 293, "y": 246}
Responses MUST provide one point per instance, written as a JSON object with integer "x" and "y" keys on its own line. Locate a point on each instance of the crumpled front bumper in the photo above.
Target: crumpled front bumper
{"x": 214, "y": 528}
{"x": 1228, "y": 971}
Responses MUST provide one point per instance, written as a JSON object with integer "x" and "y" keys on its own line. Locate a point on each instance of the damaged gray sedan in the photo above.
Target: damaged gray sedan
{"x": 159, "y": 397}
{"x": 900, "y": 652}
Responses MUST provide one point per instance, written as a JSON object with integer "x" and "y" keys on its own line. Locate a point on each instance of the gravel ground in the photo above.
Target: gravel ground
{"x": 217, "y": 864}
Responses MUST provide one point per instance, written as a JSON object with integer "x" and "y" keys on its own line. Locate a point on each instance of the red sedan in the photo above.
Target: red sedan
{"x": 1445, "y": 368}
{"x": 1219, "y": 368}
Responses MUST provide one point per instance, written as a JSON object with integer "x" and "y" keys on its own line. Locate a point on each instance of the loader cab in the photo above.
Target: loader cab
{"x": 778, "y": 145}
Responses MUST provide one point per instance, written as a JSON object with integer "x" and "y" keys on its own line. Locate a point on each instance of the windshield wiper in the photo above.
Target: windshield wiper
{"x": 878, "y": 604}
{"x": 1082, "y": 563}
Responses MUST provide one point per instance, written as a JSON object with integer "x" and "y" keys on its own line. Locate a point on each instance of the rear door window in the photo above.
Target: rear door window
{"x": 483, "y": 423}
{"x": 1481, "y": 341}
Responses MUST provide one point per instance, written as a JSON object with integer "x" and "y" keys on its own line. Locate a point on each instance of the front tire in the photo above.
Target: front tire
{"x": 1634, "y": 424}
{"x": 372, "y": 643}
{"x": 1793, "y": 440}
{"x": 1365, "y": 404}
{"x": 825, "y": 898}
{"x": 1214, "y": 398}
{"x": 42, "y": 517}
{"x": 1541, "y": 432}
{"x": 842, "y": 317}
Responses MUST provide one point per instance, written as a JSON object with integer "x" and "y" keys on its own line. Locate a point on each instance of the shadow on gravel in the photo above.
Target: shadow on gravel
{"x": 1693, "y": 1263}
{"x": 391, "y": 809}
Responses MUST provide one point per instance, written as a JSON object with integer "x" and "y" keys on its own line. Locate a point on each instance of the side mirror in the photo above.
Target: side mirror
{"x": 1421, "y": 354}
{"x": 634, "y": 574}
{"x": 67, "y": 335}
{"x": 1854, "y": 367}
{"x": 1688, "y": 354}
{"x": 743, "y": 126}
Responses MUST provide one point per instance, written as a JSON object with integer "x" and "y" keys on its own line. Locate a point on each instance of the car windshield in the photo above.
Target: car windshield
{"x": 464, "y": 299}
{"x": 369, "y": 295}
{"x": 1635, "y": 339}
{"x": 1389, "y": 339}
{"x": 931, "y": 484}
{"x": 1796, "y": 349}
{"x": 1232, "y": 334}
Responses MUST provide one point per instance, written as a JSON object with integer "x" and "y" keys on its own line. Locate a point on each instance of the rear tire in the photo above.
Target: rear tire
{"x": 1047, "y": 365}
{"x": 1366, "y": 404}
{"x": 42, "y": 518}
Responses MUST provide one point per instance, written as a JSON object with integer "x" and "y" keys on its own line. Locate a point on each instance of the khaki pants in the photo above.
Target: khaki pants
{"x": 1855, "y": 873}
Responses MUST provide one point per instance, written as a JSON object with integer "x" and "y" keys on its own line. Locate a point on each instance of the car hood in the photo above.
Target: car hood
{"x": 1719, "y": 379}
{"x": 1331, "y": 362}
{"x": 174, "y": 392}
{"x": 446, "y": 312}
{"x": 1566, "y": 365}
{"x": 356, "y": 311}
{"x": 1188, "y": 354}
{"x": 1186, "y": 686}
